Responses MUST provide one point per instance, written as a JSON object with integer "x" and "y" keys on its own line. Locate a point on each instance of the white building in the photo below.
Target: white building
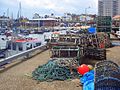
{"x": 119, "y": 7}
{"x": 108, "y": 7}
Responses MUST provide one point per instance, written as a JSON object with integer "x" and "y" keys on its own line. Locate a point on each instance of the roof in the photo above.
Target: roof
{"x": 43, "y": 19}
{"x": 26, "y": 40}
{"x": 85, "y": 27}
{"x": 4, "y": 19}
{"x": 56, "y": 32}
{"x": 117, "y": 17}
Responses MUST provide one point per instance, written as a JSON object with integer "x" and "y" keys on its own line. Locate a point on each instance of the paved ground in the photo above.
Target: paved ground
{"x": 114, "y": 54}
{"x": 14, "y": 76}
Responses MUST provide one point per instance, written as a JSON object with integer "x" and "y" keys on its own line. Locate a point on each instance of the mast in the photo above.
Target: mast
{"x": 12, "y": 15}
{"x": 12, "y": 20}
{"x": 8, "y": 12}
{"x": 19, "y": 15}
{"x": 20, "y": 9}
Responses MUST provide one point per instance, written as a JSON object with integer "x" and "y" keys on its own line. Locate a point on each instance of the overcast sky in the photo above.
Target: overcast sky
{"x": 58, "y": 7}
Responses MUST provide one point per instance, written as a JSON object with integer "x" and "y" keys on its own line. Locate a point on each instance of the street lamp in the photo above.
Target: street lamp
{"x": 86, "y": 15}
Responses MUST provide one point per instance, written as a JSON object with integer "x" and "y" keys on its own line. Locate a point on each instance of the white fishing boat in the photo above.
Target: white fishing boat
{"x": 16, "y": 46}
{"x": 118, "y": 34}
{"x": 3, "y": 45}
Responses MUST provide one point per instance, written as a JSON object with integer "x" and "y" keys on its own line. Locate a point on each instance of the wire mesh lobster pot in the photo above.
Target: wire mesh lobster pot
{"x": 65, "y": 51}
{"x": 107, "y": 76}
{"x": 94, "y": 53}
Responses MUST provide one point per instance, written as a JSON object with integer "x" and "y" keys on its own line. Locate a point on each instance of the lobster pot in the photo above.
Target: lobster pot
{"x": 104, "y": 38}
{"x": 94, "y": 53}
{"x": 107, "y": 76}
{"x": 65, "y": 52}
{"x": 73, "y": 53}
{"x": 80, "y": 39}
{"x": 55, "y": 53}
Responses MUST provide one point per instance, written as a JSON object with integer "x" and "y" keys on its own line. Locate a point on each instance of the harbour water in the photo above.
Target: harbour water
{"x": 40, "y": 37}
{"x": 45, "y": 35}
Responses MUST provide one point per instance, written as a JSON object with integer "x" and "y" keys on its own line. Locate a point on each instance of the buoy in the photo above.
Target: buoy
{"x": 102, "y": 45}
{"x": 83, "y": 69}
{"x": 90, "y": 67}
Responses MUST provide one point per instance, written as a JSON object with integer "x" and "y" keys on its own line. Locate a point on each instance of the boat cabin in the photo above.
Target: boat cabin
{"x": 3, "y": 42}
{"x": 23, "y": 44}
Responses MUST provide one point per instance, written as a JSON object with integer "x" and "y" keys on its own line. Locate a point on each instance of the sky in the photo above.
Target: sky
{"x": 43, "y": 7}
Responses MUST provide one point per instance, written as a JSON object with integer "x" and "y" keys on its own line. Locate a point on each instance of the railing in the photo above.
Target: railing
{"x": 25, "y": 54}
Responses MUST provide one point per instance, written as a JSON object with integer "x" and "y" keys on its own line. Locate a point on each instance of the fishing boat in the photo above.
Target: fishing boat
{"x": 3, "y": 45}
{"x": 118, "y": 34}
{"x": 22, "y": 44}
{"x": 46, "y": 30}
{"x": 39, "y": 32}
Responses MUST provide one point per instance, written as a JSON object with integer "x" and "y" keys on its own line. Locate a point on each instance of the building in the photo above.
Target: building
{"x": 5, "y": 24}
{"x": 108, "y": 7}
{"x": 119, "y": 7}
{"x": 116, "y": 23}
{"x": 43, "y": 22}
{"x": 104, "y": 23}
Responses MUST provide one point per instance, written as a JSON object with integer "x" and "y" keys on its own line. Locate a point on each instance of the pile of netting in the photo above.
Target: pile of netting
{"x": 52, "y": 71}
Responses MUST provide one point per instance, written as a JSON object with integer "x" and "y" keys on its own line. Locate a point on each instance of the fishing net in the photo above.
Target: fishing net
{"x": 52, "y": 71}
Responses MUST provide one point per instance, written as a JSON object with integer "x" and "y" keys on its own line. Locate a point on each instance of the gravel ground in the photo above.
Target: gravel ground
{"x": 15, "y": 76}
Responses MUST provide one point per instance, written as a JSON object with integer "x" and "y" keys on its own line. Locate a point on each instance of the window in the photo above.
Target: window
{"x": 3, "y": 39}
{"x": 28, "y": 46}
{"x": 38, "y": 44}
{"x": 14, "y": 46}
{"x": 20, "y": 47}
{"x": 9, "y": 45}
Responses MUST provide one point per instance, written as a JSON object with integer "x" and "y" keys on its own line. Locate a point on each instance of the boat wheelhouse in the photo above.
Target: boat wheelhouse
{"x": 20, "y": 45}
{"x": 3, "y": 45}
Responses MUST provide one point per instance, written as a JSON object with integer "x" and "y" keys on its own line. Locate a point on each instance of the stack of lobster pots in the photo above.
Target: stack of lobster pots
{"x": 80, "y": 45}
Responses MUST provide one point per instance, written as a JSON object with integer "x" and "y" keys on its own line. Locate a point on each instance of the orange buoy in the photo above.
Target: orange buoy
{"x": 90, "y": 67}
{"x": 102, "y": 45}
